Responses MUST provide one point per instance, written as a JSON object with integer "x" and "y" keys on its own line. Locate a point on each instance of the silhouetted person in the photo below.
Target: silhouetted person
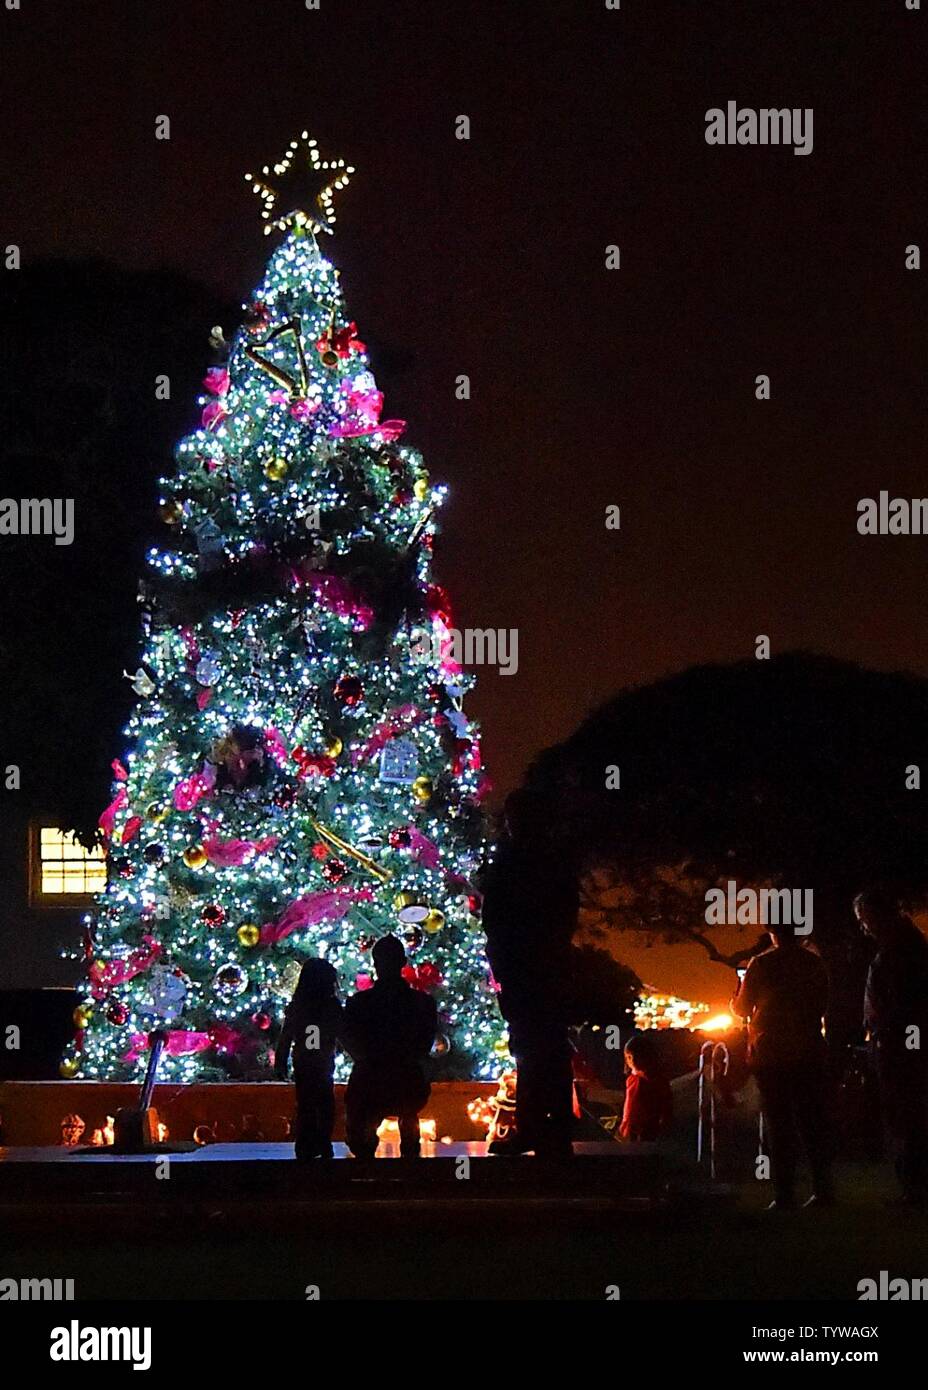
{"x": 783, "y": 997}
{"x": 312, "y": 1026}
{"x": 389, "y": 1030}
{"x": 648, "y": 1109}
{"x": 529, "y": 916}
{"x": 896, "y": 1017}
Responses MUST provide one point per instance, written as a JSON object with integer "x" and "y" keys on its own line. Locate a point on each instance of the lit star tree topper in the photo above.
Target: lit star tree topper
{"x": 299, "y": 191}
{"x": 299, "y": 775}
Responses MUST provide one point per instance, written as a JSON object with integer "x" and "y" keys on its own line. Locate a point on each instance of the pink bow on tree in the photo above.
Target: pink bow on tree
{"x": 361, "y": 415}
{"x": 327, "y": 905}
{"x": 106, "y": 975}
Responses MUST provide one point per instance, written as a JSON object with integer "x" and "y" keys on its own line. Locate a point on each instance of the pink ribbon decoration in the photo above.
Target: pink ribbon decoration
{"x": 204, "y": 696}
{"x": 106, "y": 976}
{"x": 448, "y": 666}
{"x": 192, "y": 789}
{"x": 119, "y": 772}
{"x": 216, "y": 380}
{"x": 180, "y": 1043}
{"x": 361, "y": 415}
{"x": 300, "y": 409}
{"x": 213, "y": 415}
{"x": 327, "y": 905}
{"x": 423, "y": 850}
{"x": 108, "y": 817}
{"x": 336, "y": 595}
{"x": 232, "y": 853}
{"x": 276, "y": 747}
{"x": 363, "y": 981}
{"x": 398, "y": 721}
{"x": 224, "y": 1038}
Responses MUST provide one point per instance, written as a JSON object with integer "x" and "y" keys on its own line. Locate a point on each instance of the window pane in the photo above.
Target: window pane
{"x": 67, "y": 868}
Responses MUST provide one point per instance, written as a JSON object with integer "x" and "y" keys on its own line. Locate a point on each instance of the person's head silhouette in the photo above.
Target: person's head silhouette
{"x": 318, "y": 980}
{"x": 880, "y": 916}
{"x": 783, "y": 936}
{"x": 389, "y": 957}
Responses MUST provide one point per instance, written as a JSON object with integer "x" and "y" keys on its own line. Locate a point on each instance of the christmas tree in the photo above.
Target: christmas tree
{"x": 300, "y": 776}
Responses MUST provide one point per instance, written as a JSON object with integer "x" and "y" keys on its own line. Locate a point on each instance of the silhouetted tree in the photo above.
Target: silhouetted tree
{"x": 603, "y": 990}
{"x": 791, "y": 772}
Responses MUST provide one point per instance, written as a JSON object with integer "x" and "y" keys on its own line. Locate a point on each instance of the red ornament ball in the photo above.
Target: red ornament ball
{"x": 399, "y": 838}
{"x": 334, "y": 870}
{"x": 349, "y": 690}
{"x": 213, "y": 915}
{"x": 123, "y": 867}
{"x": 261, "y": 1020}
{"x": 117, "y": 1014}
{"x": 284, "y": 798}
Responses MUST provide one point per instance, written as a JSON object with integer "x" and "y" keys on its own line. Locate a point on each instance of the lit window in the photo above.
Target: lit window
{"x": 63, "y": 870}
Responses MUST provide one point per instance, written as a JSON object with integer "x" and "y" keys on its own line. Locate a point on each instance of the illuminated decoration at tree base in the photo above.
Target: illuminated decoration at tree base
{"x": 294, "y": 765}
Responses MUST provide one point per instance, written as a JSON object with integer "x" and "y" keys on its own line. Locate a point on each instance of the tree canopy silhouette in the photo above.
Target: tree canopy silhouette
{"x": 801, "y": 772}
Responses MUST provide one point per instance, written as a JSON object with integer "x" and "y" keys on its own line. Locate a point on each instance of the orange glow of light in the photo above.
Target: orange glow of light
{"x": 718, "y": 1023}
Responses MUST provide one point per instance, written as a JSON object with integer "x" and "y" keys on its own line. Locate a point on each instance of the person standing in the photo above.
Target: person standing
{"x": 311, "y": 1027}
{"x": 529, "y": 914}
{"x": 896, "y": 1019}
{"x": 783, "y": 997}
{"x": 388, "y": 1031}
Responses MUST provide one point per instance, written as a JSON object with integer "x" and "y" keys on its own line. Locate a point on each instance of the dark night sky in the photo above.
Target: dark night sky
{"x": 590, "y": 387}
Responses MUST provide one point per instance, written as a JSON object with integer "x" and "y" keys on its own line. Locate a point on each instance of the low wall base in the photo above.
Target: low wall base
{"x": 32, "y": 1112}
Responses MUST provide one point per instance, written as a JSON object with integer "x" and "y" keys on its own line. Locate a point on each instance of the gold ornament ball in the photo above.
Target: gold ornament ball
{"x": 404, "y": 900}
{"x": 194, "y": 856}
{"x": 82, "y": 1016}
{"x": 68, "y": 1068}
{"x": 421, "y": 488}
{"x": 329, "y": 358}
{"x": 422, "y": 788}
{"x": 248, "y": 934}
{"x": 434, "y": 921}
{"x": 501, "y": 1047}
{"x": 333, "y": 748}
{"x": 171, "y": 511}
{"x": 275, "y": 470}
{"x": 156, "y": 812}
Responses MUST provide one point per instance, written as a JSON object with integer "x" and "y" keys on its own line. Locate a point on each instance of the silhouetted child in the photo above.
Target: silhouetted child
{"x": 648, "y": 1098}
{"x": 312, "y": 1025}
{"x": 389, "y": 1030}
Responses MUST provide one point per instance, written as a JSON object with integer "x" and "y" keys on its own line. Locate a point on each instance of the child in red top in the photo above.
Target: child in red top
{"x": 648, "y": 1099}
